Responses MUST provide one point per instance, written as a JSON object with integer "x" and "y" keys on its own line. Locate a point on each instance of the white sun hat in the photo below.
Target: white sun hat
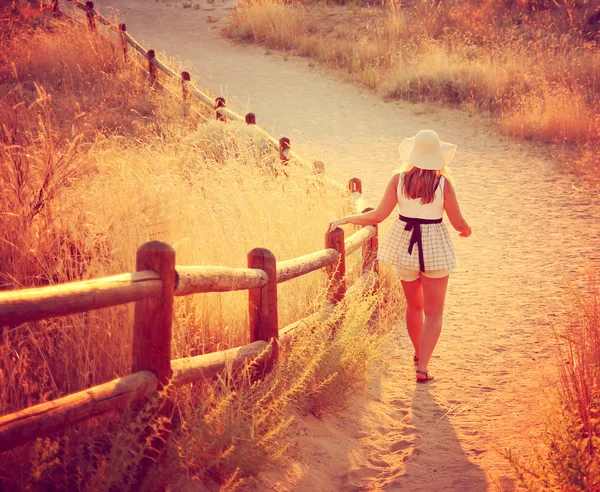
{"x": 426, "y": 151}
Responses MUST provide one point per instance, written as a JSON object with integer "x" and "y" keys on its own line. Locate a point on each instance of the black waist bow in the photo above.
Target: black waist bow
{"x": 413, "y": 224}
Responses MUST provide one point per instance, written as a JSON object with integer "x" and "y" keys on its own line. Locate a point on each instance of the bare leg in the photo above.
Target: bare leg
{"x": 434, "y": 296}
{"x": 414, "y": 312}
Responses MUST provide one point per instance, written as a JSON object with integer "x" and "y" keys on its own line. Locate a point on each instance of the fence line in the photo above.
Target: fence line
{"x": 153, "y": 288}
{"x": 282, "y": 145}
{"x": 21, "y": 306}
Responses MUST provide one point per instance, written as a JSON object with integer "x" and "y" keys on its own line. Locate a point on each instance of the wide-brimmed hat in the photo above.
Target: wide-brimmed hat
{"x": 426, "y": 151}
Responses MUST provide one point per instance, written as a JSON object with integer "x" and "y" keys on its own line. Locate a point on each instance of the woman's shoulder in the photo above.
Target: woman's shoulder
{"x": 396, "y": 176}
{"x": 447, "y": 181}
{"x": 448, "y": 186}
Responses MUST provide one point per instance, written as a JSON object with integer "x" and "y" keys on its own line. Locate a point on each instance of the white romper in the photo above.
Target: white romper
{"x": 400, "y": 245}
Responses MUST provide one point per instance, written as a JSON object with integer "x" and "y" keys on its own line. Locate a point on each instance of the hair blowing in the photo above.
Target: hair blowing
{"x": 422, "y": 183}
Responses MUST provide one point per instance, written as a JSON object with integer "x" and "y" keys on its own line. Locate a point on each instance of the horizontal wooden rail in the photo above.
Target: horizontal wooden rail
{"x": 200, "y": 95}
{"x": 165, "y": 68}
{"x": 329, "y": 181}
{"x": 273, "y": 141}
{"x": 20, "y": 306}
{"x": 286, "y": 334}
{"x": 44, "y": 419}
{"x": 196, "y": 279}
{"x": 135, "y": 45}
{"x": 230, "y": 114}
{"x": 209, "y": 101}
{"x": 359, "y": 238}
{"x": 296, "y": 267}
{"x": 207, "y": 366}
{"x": 41, "y": 420}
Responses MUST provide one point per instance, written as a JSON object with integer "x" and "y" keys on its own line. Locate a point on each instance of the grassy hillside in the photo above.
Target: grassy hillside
{"x": 533, "y": 66}
{"x": 95, "y": 163}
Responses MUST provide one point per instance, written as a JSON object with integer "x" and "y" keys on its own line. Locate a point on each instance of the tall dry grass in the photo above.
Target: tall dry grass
{"x": 225, "y": 433}
{"x": 531, "y": 65}
{"x": 94, "y": 164}
{"x": 570, "y": 458}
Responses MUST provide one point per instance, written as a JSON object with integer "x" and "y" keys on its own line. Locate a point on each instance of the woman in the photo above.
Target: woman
{"x": 422, "y": 190}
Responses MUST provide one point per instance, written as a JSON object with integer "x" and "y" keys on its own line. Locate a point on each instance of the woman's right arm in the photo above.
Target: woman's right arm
{"x": 385, "y": 208}
{"x": 453, "y": 211}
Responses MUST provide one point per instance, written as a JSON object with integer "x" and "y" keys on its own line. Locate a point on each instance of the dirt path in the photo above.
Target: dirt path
{"x": 531, "y": 229}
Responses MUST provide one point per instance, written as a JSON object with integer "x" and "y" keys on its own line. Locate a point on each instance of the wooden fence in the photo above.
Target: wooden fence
{"x": 222, "y": 112}
{"x": 154, "y": 285}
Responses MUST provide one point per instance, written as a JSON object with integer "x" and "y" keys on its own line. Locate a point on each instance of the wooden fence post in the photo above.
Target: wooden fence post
{"x": 152, "y": 324}
{"x": 152, "y": 70}
{"x": 336, "y": 272}
{"x": 122, "y": 30}
{"x": 153, "y": 315}
{"x": 369, "y": 252}
{"x": 220, "y": 103}
{"x": 185, "y": 93}
{"x": 355, "y": 185}
{"x": 251, "y": 119}
{"x": 262, "y": 303}
{"x": 89, "y": 11}
{"x": 284, "y": 150}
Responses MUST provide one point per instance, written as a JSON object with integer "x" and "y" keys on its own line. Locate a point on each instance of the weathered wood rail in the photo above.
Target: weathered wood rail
{"x": 153, "y": 287}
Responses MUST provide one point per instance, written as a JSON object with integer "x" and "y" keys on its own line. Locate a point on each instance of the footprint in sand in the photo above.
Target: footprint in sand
{"x": 377, "y": 461}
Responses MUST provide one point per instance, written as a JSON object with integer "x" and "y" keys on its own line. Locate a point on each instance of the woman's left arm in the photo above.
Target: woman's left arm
{"x": 385, "y": 208}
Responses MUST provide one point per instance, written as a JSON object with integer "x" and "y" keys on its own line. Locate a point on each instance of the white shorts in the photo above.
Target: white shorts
{"x": 410, "y": 275}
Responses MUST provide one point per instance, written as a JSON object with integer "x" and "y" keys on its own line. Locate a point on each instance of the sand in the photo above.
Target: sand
{"x": 532, "y": 230}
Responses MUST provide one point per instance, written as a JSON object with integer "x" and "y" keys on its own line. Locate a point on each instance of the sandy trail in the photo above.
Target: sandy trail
{"x": 531, "y": 229}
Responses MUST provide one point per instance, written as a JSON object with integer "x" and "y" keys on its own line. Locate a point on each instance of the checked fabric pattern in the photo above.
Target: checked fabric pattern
{"x": 438, "y": 250}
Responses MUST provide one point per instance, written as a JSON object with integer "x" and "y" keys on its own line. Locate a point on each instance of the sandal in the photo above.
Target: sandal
{"x": 415, "y": 359}
{"x": 428, "y": 377}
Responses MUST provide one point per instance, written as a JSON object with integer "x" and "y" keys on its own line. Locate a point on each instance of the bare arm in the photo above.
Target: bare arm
{"x": 453, "y": 211}
{"x": 385, "y": 208}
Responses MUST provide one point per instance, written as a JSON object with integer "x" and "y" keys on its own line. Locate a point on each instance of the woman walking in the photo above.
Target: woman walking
{"x": 418, "y": 243}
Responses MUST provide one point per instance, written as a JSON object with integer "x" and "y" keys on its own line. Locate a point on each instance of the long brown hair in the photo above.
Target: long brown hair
{"x": 421, "y": 183}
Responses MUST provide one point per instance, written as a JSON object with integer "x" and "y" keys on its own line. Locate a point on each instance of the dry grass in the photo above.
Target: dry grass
{"x": 532, "y": 68}
{"x": 570, "y": 459}
{"x": 95, "y": 164}
{"x": 224, "y": 433}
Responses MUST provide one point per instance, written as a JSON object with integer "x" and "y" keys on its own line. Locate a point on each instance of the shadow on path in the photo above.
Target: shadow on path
{"x": 437, "y": 461}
